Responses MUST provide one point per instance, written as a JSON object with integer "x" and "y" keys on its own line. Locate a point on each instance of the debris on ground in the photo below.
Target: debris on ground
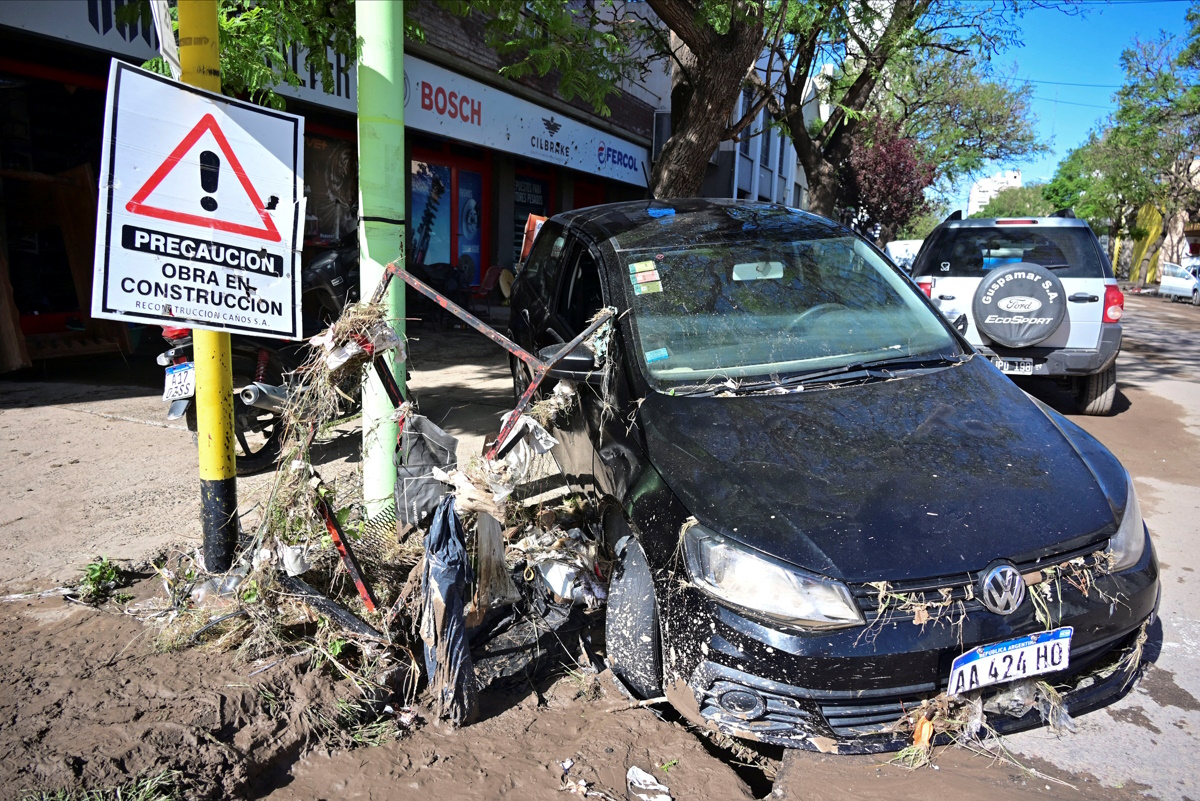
{"x": 445, "y": 575}
{"x": 644, "y": 786}
{"x": 471, "y": 582}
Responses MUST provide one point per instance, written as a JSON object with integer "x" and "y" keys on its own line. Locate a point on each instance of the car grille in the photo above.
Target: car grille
{"x": 858, "y": 716}
{"x": 957, "y": 590}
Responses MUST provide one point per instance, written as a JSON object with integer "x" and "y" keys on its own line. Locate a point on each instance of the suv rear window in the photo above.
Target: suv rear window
{"x": 972, "y": 252}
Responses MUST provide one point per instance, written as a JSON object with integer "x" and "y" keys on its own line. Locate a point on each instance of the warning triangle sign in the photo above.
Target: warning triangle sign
{"x": 176, "y": 209}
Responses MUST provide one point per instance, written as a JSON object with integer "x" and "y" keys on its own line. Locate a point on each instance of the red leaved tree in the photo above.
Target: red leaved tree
{"x": 884, "y": 179}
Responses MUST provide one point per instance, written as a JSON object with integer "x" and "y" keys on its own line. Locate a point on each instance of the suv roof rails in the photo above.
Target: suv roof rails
{"x": 1068, "y": 213}
{"x": 954, "y": 215}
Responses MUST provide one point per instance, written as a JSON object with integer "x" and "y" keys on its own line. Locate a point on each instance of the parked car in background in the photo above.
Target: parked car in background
{"x": 825, "y": 506}
{"x": 1037, "y": 296}
{"x": 902, "y": 252}
{"x": 1179, "y": 283}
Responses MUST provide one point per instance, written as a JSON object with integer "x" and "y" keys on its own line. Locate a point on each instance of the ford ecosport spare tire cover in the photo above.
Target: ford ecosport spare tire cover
{"x": 1018, "y": 305}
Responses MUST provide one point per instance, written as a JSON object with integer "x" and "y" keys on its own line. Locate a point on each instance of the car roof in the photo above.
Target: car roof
{"x": 1055, "y": 222}
{"x": 705, "y": 220}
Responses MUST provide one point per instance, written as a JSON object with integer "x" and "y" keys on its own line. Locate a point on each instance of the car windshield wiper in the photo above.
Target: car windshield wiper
{"x": 880, "y": 368}
{"x": 855, "y": 371}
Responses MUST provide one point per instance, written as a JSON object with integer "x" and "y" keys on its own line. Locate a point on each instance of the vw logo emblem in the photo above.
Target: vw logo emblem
{"x": 1002, "y": 589}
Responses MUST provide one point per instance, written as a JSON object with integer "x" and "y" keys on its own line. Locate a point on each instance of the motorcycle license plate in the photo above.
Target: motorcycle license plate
{"x": 1014, "y": 366}
{"x": 1010, "y": 660}
{"x": 180, "y": 382}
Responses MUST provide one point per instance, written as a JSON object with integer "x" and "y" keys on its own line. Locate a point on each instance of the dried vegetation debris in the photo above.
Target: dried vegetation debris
{"x": 381, "y": 606}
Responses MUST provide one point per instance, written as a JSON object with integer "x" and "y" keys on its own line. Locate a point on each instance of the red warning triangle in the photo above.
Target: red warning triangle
{"x": 137, "y": 204}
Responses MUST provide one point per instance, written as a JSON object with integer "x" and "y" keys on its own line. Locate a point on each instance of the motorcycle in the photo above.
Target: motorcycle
{"x": 263, "y": 368}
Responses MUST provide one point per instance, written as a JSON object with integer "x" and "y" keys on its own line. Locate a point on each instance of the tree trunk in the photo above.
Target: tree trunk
{"x": 707, "y": 83}
{"x": 823, "y": 184}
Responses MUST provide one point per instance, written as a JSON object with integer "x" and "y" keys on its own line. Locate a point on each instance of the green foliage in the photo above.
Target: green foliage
{"x": 922, "y": 225}
{"x": 590, "y": 46}
{"x": 164, "y": 786}
{"x": 1094, "y": 180}
{"x": 1017, "y": 201}
{"x": 961, "y": 114}
{"x": 1145, "y": 153}
{"x": 100, "y": 579}
{"x": 256, "y": 41}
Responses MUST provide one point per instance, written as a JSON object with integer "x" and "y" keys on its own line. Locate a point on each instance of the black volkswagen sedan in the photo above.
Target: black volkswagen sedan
{"x": 825, "y": 507}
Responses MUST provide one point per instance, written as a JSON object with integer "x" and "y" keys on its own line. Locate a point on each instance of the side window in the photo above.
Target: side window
{"x": 547, "y": 249}
{"x": 579, "y": 296}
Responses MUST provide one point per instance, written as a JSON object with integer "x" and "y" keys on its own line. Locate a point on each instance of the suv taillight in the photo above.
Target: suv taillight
{"x": 1114, "y": 304}
{"x": 926, "y": 285}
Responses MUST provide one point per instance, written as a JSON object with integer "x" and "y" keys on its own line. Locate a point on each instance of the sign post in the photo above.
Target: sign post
{"x": 198, "y": 227}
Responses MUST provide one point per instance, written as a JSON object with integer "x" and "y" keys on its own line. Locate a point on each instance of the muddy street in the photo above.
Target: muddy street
{"x": 92, "y": 468}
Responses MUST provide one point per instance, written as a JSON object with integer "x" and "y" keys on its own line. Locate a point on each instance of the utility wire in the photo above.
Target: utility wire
{"x": 1065, "y": 83}
{"x": 1069, "y": 103}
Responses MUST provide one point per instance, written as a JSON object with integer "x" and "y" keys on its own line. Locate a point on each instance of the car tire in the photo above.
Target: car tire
{"x": 1196, "y": 297}
{"x": 1035, "y": 288}
{"x": 1097, "y": 392}
{"x": 632, "y": 637}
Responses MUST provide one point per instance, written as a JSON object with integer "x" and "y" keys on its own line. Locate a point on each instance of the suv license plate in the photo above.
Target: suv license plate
{"x": 1014, "y": 366}
{"x": 1010, "y": 660}
{"x": 180, "y": 382}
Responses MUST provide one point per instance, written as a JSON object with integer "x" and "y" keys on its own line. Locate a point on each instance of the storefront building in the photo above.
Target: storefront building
{"x": 484, "y": 153}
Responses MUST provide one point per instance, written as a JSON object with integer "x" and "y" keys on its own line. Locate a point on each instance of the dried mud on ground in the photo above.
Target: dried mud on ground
{"x": 86, "y": 701}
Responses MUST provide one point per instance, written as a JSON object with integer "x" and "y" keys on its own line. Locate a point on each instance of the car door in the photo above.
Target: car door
{"x": 578, "y": 296}
{"x": 534, "y": 285}
{"x": 1171, "y": 282}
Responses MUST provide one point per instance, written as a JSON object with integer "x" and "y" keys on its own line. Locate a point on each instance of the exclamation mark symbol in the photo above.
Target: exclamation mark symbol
{"x": 210, "y": 172}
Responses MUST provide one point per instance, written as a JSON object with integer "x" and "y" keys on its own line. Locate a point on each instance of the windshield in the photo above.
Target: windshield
{"x": 772, "y": 305}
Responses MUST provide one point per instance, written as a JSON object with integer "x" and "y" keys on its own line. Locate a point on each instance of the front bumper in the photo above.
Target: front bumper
{"x": 841, "y": 691}
{"x": 1051, "y": 362}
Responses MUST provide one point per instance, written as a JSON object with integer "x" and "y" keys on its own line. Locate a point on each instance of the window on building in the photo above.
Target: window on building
{"x": 798, "y": 199}
{"x": 747, "y": 104}
{"x": 785, "y": 145}
{"x": 764, "y": 153}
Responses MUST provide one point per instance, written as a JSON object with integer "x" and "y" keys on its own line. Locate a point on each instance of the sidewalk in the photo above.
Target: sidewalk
{"x": 462, "y": 381}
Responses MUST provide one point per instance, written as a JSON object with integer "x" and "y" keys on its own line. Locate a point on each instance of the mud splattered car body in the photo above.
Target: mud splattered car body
{"x": 812, "y": 478}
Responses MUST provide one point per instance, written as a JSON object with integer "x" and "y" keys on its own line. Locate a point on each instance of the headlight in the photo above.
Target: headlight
{"x": 753, "y": 582}
{"x": 1130, "y": 540}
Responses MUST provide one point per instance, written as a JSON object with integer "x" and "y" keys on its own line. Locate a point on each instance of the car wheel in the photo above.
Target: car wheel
{"x": 1097, "y": 391}
{"x": 631, "y": 621}
{"x": 1037, "y": 289}
{"x": 1196, "y": 297}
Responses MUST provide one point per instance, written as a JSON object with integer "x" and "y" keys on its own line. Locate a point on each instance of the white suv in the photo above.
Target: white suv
{"x": 1037, "y": 296}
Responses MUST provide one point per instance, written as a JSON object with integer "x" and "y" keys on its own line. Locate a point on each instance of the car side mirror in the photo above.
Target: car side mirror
{"x": 579, "y": 365}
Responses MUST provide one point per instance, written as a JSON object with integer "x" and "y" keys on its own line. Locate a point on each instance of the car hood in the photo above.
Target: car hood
{"x": 926, "y": 476}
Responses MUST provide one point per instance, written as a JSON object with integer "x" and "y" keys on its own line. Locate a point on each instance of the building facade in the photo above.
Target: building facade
{"x": 483, "y": 153}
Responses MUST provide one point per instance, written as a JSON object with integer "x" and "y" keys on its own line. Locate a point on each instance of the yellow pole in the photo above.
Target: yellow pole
{"x": 200, "y": 58}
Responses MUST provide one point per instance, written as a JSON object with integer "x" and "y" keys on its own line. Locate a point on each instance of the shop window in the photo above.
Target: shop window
{"x": 449, "y": 217}
{"x": 531, "y": 195}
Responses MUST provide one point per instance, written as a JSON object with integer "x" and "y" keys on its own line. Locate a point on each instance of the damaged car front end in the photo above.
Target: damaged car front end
{"x": 832, "y": 519}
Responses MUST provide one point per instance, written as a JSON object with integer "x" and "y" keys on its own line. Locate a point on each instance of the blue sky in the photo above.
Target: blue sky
{"x": 1085, "y": 49}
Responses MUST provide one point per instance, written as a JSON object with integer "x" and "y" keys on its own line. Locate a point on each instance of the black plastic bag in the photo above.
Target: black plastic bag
{"x": 423, "y": 446}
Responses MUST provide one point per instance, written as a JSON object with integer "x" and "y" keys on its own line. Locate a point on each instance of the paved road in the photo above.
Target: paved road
{"x": 1150, "y": 739}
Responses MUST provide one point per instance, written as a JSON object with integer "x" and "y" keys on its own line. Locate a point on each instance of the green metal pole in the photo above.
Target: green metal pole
{"x": 381, "y": 229}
